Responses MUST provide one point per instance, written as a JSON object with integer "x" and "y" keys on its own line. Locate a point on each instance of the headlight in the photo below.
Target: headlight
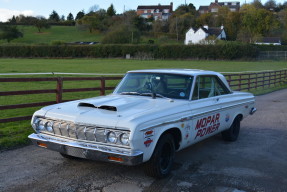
{"x": 41, "y": 125}
{"x": 49, "y": 126}
{"x": 124, "y": 139}
{"x": 112, "y": 137}
{"x": 35, "y": 123}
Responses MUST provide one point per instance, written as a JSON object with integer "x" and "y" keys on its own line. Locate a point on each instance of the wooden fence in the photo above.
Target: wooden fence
{"x": 250, "y": 81}
{"x": 238, "y": 82}
{"x": 58, "y": 91}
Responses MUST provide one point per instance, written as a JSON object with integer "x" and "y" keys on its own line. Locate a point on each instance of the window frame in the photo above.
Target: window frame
{"x": 225, "y": 88}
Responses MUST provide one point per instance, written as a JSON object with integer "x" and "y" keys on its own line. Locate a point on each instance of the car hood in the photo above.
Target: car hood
{"x": 105, "y": 111}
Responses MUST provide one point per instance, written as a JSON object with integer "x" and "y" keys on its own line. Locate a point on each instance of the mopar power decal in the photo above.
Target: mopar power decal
{"x": 207, "y": 125}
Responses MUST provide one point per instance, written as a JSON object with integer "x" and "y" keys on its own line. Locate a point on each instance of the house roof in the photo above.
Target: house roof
{"x": 213, "y": 30}
{"x": 270, "y": 40}
{"x": 205, "y": 8}
{"x": 160, "y": 7}
{"x": 220, "y": 4}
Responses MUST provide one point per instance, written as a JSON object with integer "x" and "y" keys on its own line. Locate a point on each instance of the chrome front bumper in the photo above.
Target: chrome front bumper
{"x": 87, "y": 150}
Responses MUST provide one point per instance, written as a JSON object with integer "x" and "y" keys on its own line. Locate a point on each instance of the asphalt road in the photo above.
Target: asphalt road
{"x": 256, "y": 162}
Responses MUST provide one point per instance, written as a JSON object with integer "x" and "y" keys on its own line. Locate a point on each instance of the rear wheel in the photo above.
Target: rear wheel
{"x": 160, "y": 164}
{"x": 232, "y": 133}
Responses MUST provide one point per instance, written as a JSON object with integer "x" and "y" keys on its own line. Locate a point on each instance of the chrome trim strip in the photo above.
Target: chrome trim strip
{"x": 189, "y": 117}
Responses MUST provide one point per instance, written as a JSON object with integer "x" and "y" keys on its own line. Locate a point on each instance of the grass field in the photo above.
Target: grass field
{"x": 122, "y": 65}
{"x": 55, "y": 33}
{"x": 16, "y": 132}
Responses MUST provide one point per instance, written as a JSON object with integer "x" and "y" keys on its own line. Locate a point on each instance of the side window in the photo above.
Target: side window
{"x": 208, "y": 86}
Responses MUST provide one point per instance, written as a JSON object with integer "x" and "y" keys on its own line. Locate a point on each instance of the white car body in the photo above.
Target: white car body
{"x": 143, "y": 120}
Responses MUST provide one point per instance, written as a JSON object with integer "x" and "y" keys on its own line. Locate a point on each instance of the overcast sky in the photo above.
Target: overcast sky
{"x": 8, "y": 8}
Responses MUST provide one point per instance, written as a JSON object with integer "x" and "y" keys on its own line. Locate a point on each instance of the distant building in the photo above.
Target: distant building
{"x": 213, "y": 7}
{"x": 159, "y": 12}
{"x": 195, "y": 36}
{"x": 269, "y": 41}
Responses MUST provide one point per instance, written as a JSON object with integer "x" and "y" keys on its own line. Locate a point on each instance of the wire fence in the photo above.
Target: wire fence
{"x": 272, "y": 55}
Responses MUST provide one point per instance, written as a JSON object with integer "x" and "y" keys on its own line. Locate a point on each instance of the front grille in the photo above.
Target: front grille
{"x": 80, "y": 132}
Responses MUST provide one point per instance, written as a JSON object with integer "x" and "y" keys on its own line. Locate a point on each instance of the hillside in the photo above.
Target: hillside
{"x": 55, "y": 33}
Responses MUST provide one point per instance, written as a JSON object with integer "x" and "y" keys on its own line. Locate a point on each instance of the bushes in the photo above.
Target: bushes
{"x": 272, "y": 47}
{"x": 226, "y": 51}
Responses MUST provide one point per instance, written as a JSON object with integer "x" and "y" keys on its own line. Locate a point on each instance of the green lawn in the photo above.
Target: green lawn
{"x": 55, "y": 33}
{"x": 15, "y": 133}
{"x": 122, "y": 65}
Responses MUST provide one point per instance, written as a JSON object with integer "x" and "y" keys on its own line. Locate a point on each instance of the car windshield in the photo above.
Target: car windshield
{"x": 158, "y": 84}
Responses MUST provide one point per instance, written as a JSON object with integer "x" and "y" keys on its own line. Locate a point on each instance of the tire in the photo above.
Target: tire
{"x": 160, "y": 163}
{"x": 232, "y": 133}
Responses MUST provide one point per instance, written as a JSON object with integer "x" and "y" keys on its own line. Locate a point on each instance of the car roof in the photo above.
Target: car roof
{"x": 177, "y": 71}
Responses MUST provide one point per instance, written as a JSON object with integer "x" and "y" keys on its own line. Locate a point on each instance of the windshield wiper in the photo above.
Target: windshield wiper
{"x": 155, "y": 95}
{"x": 130, "y": 93}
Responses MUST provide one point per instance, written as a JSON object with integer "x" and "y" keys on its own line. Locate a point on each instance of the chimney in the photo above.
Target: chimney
{"x": 171, "y": 6}
{"x": 216, "y": 1}
{"x": 205, "y": 26}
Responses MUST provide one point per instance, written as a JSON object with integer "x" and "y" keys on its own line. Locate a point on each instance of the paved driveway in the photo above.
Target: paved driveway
{"x": 256, "y": 162}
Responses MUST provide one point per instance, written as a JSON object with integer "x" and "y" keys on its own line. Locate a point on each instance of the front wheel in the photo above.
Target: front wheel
{"x": 232, "y": 133}
{"x": 160, "y": 163}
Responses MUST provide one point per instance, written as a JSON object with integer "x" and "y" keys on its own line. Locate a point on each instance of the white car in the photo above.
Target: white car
{"x": 150, "y": 115}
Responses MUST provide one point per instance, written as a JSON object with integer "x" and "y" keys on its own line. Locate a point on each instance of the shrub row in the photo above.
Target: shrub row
{"x": 272, "y": 47}
{"x": 225, "y": 51}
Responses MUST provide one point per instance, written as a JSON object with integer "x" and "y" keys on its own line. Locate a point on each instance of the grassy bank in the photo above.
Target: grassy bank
{"x": 15, "y": 133}
{"x": 55, "y": 33}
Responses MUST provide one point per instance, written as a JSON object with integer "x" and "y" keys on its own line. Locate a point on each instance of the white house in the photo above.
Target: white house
{"x": 193, "y": 36}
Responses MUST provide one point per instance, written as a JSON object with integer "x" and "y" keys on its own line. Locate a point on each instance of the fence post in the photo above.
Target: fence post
{"x": 59, "y": 92}
{"x": 249, "y": 82}
{"x": 103, "y": 86}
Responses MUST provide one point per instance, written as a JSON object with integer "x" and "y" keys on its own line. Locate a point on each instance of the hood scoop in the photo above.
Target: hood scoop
{"x": 104, "y": 107}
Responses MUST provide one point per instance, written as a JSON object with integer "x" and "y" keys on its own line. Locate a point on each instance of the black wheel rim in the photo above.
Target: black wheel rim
{"x": 165, "y": 157}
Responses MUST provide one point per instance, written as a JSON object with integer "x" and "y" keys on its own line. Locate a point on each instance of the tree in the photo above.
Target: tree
{"x": 12, "y": 20}
{"x": 257, "y": 22}
{"x": 111, "y": 11}
{"x": 232, "y": 25}
{"x": 54, "y": 16}
{"x": 179, "y": 25}
{"x": 41, "y": 23}
{"x": 70, "y": 17}
{"x": 63, "y": 18}
{"x": 9, "y": 33}
{"x": 94, "y": 8}
{"x": 183, "y": 9}
{"x": 257, "y": 4}
{"x": 121, "y": 34}
{"x": 205, "y": 19}
{"x": 270, "y": 5}
{"x": 80, "y": 15}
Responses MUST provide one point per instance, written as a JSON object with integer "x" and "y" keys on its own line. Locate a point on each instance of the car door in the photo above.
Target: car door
{"x": 207, "y": 116}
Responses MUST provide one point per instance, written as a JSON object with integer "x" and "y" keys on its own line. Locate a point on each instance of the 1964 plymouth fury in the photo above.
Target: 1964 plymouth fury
{"x": 150, "y": 115}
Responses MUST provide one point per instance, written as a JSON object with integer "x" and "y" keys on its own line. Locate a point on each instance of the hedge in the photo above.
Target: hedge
{"x": 272, "y": 47}
{"x": 226, "y": 51}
